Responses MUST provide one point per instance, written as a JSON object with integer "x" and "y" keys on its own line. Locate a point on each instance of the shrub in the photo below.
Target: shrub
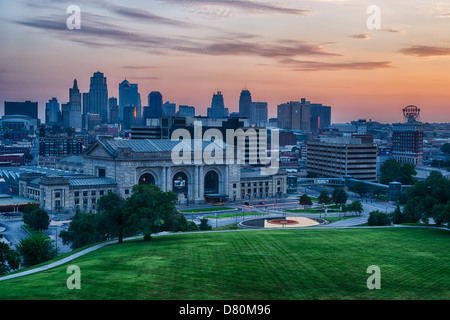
{"x": 204, "y": 224}
{"x": 377, "y": 218}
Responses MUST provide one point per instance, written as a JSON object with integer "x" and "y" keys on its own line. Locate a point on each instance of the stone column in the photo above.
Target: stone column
{"x": 163, "y": 179}
{"x": 168, "y": 179}
{"x": 196, "y": 185}
{"x": 201, "y": 185}
{"x": 226, "y": 182}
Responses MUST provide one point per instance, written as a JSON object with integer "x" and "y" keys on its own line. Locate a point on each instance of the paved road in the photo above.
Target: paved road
{"x": 13, "y": 231}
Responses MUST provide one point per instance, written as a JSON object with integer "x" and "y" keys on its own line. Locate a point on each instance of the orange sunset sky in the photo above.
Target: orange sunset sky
{"x": 280, "y": 50}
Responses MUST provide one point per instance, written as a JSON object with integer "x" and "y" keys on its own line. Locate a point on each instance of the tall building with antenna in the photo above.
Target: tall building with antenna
{"x": 217, "y": 109}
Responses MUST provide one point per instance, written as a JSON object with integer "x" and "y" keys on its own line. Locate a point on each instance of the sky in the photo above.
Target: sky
{"x": 323, "y": 51}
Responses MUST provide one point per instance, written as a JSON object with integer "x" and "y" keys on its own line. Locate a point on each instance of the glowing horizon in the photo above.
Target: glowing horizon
{"x": 280, "y": 51}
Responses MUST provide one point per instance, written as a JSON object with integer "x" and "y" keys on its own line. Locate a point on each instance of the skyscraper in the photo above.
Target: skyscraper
{"x": 294, "y": 115}
{"x": 129, "y": 117}
{"x": 323, "y": 113}
{"x": 129, "y": 96}
{"x": 98, "y": 96}
{"x": 155, "y": 104}
{"x": 245, "y": 101}
{"x": 114, "y": 111}
{"x": 169, "y": 109}
{"x": 258, "y": 113}
{"x": 52, "y": 112}
{"x": 75, "y": 119}
{"x": 217, "y": 109}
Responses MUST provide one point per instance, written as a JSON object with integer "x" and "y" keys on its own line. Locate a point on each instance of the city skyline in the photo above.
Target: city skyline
{"x": 280, "y": 51}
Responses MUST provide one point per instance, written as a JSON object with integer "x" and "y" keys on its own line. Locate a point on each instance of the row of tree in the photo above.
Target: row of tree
{"x": 338, "y": 197}
{"x": 147, "y": 211}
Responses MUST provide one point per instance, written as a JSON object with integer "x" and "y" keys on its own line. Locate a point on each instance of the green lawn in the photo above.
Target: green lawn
{"x": 267, "y": 264}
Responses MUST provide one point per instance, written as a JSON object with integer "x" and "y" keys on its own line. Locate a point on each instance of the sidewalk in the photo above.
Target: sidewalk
{"x": 64, "y": 260}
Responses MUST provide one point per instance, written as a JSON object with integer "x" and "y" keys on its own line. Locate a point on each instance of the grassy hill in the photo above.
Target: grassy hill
{"x": 269, "y": 264}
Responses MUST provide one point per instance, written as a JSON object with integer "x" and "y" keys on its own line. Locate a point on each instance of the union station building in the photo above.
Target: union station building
{"x": 116, "y": 165}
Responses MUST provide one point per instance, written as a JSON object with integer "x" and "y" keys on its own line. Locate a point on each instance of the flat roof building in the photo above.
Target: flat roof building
{"x": 337, "y": 157}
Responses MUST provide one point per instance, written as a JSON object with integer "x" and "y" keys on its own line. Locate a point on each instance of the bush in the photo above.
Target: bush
{"x": 36, "y": 249}
{"x": 204, "y": 224}
{"x": 377, "y": 218}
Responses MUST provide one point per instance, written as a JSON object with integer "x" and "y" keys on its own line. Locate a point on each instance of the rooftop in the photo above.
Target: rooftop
{"x": 91, "y": 181}
{"x": 153, "y": 145}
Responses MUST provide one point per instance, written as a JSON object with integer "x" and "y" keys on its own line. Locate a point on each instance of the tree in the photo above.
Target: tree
{"x": 305, "y": 200}
{"x": 360, "y": 188}
{"x": 397, "y": 216}
{"x": 441, "y": 213}
{"x": 392, "y": 170}
{"x": 428, "y": 199}
{"x": 37, "y": 219}
{"x": 114, "y": 218}
{"x": 36, "y": 249}
{"x": 9, "y": 259}
{"x": 356, "y": 207}
{"x": 85, "y": 228}
{"x": 377, "y": 218}
{"x": 339, "y": 196}
{"x": 324, "y": 197}
{"x": 151, "y": 209}
{"x": 407, "y": 174}
{"x": 204, "y": 224}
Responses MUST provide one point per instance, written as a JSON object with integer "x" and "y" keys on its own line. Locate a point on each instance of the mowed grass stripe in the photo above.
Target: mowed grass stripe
{"x": 269, "y": 264}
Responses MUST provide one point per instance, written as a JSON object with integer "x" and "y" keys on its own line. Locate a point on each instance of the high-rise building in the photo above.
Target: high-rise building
{"x": 114, "y": 110}
{"x": 294, "y": 115}
{"x": 407, "y": 137}
{"x": 129, "y": 117}
{"x": 169, "y": 109}
{"x": 155, "y": 104}
{"x": 258, "y": 113}
{"x": 337, "y": 157}
{"x": 75, "y": 119}
{"x": 245, "y": 101}
{"x": 98, "y": 96}
{"x": 323, "y": 114}
{"x": 186, "y": 111}
{"x": 217, "y": 109}
{"x": 129, "y": 96}
{"x": 52, "y": 112}
{"x": 26, "y": 108}
{"x": 65, "y": 114}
